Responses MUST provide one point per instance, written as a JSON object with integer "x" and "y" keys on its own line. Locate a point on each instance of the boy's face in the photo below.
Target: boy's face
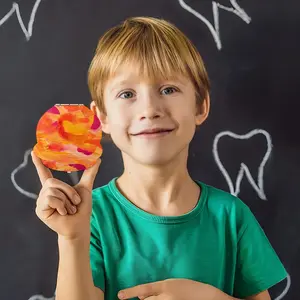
{"x": 134, "y": 105}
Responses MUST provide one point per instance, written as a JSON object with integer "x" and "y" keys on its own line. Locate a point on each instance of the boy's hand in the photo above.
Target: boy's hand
{"x": 57, "y": 200}
{"x": 174, "y": 289}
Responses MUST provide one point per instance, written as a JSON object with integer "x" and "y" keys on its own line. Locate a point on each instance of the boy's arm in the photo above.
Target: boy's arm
{"x": 261, "y": 296}
{"x": 74, "y": 280}
{"x": 100, "y": 294}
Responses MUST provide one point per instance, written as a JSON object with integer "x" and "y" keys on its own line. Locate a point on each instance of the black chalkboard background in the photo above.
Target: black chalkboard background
{"x": 253, "y": 68}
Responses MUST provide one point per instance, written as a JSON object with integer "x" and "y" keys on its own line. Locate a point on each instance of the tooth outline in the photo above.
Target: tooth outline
{"x": 215, "y": 29}
{"x": 16, "y": 9}
{"x": 243, "y": 167}
{"x": 41, "y": 297}
{"x": 16, "y": 170}
{"x": 286, "y": 289}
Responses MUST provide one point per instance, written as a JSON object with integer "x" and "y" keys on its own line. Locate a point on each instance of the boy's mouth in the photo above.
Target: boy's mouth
{"x": 154, "y": 131}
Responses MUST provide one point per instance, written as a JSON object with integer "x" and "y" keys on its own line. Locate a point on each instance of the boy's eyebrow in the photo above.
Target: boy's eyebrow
{"x": 126, "y": 81}
{"x": 118, "y": 83}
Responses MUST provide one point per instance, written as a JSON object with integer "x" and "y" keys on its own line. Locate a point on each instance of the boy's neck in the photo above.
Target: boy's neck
{"x": 164, "y": 190}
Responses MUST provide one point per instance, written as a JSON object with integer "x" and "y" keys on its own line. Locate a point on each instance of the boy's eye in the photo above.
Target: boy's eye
{"x": 168, "y": 90}
{"x": 128, "y": 94}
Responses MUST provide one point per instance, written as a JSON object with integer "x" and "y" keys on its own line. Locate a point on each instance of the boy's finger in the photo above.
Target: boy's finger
{"x": 142, "y": 291}
{"x": 43, "y": 172}
{"x": 89, "y": 175}
{"x": 52, "y": 203}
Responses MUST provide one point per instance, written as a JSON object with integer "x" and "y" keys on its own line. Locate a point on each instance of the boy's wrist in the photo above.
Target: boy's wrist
{"x": 73, "y": 241}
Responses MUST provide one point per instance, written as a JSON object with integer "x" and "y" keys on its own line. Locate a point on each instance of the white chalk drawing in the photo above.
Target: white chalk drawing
{"x": 40, "y": 297}
{"x": 16, "y": 170}
{"x": 16, "y": 9}
{"x": 285, "y": 291}
{"x": 258, "y": 187}
{"x": 215, "y": 29}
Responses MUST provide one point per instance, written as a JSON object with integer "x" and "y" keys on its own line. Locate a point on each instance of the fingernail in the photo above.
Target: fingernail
{"x": 73, "y": 208}
{"x": 77, "y": 199}
{"x": 120, "y": 295}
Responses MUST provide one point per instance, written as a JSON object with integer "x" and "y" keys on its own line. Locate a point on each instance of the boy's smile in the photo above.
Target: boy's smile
{"x": 154, "y": 133}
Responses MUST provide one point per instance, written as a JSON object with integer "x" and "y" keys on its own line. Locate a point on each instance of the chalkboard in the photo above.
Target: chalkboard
{"x": 249, "y": 145}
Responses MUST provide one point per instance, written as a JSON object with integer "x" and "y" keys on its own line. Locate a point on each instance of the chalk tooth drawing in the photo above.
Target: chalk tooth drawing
{"x": 16, "y": 9}
{"x": 244, "y": 170}
{"x": 285, "y": 291}
{"x": 16, "y": 170}
{"x": 215, "y": 29}
{"x": 40, "y": 297}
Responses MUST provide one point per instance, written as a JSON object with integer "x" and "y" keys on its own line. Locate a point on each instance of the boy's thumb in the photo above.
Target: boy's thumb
{"x": 89, "y": 175}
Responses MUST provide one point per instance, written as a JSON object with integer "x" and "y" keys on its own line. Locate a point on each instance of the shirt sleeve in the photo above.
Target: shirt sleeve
{"x": 96, "y": 255}
{"x": 258, "y": 266}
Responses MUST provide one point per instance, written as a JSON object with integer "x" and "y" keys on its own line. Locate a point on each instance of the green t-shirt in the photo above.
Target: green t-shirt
{"x": 219, "y": 242}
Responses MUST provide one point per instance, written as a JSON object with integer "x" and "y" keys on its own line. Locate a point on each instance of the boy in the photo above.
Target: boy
{"x": 154, "y": 232}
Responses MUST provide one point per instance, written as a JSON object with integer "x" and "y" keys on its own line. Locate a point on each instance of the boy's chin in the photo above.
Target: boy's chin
{"x": 157, "y": 159}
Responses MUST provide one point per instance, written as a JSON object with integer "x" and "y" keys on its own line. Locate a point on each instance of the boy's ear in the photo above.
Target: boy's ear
{"x": 102, "y": 117}
{"x": 202, "y": 110}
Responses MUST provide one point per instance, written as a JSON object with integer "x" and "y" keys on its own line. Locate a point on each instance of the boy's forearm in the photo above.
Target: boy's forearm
{"x": 224, "y": 296}
{"x": 74, "y": 279}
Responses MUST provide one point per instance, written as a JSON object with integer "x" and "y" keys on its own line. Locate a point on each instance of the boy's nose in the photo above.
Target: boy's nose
{"x": 151, "y": 107}
{"x": 151, "y": 110}
{"x": 153, "y": 116}
{"x": 150, "y": 113}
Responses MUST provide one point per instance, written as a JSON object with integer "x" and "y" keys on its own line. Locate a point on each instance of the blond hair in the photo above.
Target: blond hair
{"x": 155, "y": 46}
